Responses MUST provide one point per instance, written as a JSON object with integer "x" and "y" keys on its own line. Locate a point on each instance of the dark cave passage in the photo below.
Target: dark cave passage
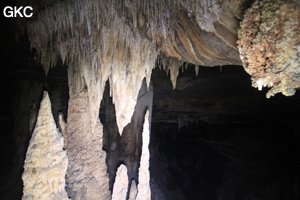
{"x": 204, "y": 161}
{"x": 215, "y": 138}
{"x": 183, "y": 166}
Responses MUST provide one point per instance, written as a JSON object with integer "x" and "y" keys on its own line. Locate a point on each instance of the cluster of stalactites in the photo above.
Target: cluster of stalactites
{"x": 80, "y": 29}
{"x": 269, "y": 45}
{"x": 93, "y": 38}
{"x": 117, "y": 40}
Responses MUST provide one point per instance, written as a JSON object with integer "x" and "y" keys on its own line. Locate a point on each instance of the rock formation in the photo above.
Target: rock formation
{"x": 133, "y": 191}
{"x": 144, "y": 192}
{"x": 126, "y": 148}
{"x": 86, "y": 157}
{"x": 123, "y": 41}
{"x": 269, "y": 45}
{"x": 121, "y": 184}
{"x": 46, "y": 161}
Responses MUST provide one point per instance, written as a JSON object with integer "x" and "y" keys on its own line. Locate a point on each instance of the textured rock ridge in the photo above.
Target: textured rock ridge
{"x": 46, "y": 161}
{"x": 269, "y": 45}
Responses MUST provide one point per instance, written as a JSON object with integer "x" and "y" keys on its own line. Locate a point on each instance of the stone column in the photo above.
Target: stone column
{"x": 87, "y": 173}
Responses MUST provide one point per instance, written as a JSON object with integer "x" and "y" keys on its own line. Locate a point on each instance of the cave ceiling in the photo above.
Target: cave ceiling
{"x": 123, "y": 41}
{"x": 111, "y": 35}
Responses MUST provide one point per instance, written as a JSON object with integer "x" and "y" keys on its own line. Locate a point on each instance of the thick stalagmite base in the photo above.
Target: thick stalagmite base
{"x": 87, "y": 175}
{"x": 46, "y": 161}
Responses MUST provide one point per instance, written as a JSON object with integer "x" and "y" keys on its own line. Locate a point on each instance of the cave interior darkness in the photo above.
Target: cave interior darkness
{"x": 214, "y": 137}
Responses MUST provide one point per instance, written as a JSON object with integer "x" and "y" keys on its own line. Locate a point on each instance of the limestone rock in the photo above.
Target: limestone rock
{"x": 63, "y": 128}
{"x": 269, "y": 45}
{"x": 144, "y": 192}
{"x": 120, "y": 41}
{"x": 133, "y": 190}
{"x": 121, "y": 184}
{"x": 46, "y": 161}
{"x": 87, "y": 172}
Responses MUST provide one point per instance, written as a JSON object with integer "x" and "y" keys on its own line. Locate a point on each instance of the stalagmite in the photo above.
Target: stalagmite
{"x": 63, "y": 128}
{"x": 87, "y": 173}
{"x": 121, "y": 184}
{"x": 46, "y": 161}
{"x": 133, "y": 191}
{"x": 144, "y": 192}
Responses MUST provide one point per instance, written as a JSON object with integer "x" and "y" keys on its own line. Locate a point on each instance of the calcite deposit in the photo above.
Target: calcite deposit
{"x": 144, "y": 192}
{"x": 269, "y": 45}
{"x": 133, "y": 191}
{"x": 120, "y": 41}
{"x": 46, "y": 161}
{"x": 121, "y": 184}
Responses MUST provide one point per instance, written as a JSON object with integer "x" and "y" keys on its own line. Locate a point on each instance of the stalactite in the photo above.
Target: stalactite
{"x": 126, "y": 65}
{"x": 46, "y": 161}
{"x": 197, "y": 69}
{"x": 144, "y": 192}
{"x": 172, "y": 66}
{"x": 121, "y": 184}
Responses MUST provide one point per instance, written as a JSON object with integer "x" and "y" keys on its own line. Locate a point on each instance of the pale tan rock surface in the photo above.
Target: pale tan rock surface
{"x": 46, "y": 161}
{"x": 144, "y": 192}
{"x": 133, "y": 190}
{"x": 87, "y": 172}
{"x": 121, "y": 184}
